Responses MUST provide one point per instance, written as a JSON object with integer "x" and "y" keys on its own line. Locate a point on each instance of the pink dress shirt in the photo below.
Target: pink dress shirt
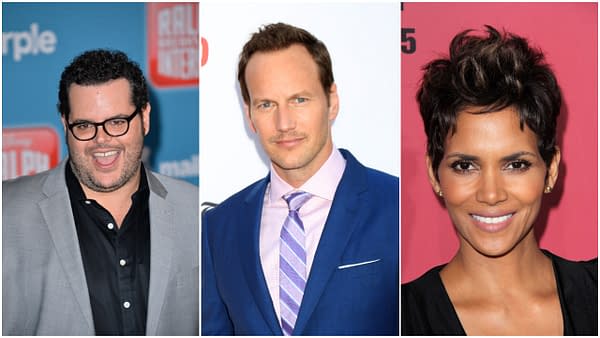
{"x": 322, "y": 185}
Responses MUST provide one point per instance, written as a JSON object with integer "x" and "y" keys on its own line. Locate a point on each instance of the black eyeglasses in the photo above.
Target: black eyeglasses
{"x": 85, "y": 130}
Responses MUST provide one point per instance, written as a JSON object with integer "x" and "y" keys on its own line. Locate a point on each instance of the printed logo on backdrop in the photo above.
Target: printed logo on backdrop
{"x": 409, "y": 41}
{"x": 28, "y": 151}
{"x": 31, "y": 42}
{"x": 173, "y": 50}
{"x": 204, "y": 51}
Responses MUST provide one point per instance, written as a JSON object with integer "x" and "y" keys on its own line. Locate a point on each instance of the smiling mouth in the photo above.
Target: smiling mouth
{"x": 105, "y": 160}
{"x": 492, "y": 220}
{"x": 106, "y": 154}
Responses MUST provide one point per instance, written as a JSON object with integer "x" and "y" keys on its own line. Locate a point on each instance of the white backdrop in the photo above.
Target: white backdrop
{"x": 364, "y": 43}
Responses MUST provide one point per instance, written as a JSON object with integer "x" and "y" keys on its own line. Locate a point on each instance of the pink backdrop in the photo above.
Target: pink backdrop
{"x": 567, "y": 33}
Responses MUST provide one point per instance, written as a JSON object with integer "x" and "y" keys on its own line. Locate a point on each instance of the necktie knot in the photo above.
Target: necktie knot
{"x": 296, "y": 199}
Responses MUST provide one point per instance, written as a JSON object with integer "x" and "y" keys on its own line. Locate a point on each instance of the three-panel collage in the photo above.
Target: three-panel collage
{"x": 299, "y": 168}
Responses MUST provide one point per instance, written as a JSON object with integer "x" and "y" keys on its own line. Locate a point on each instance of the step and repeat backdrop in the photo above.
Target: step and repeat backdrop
{"x": 371, "y": 45}
{"x": 40, "y": 39}
{"x": 364, "y": 42}
{"x": 567, "y": 34}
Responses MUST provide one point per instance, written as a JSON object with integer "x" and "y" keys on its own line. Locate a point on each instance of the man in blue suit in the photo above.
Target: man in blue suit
{"x": 311, "y": 249}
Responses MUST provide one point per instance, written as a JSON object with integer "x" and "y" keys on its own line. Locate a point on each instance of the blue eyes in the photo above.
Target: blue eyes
{"x": 467, "y": 166}
{"x": 267, "y": 105}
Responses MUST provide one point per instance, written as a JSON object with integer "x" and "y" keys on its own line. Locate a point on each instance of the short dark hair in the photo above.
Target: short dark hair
{"x": 278, "y": 36}
{"x": 99, "y": 66}
{"x": 490, "y": 73}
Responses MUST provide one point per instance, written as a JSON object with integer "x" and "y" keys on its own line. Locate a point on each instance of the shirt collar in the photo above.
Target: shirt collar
{"x": 322, "y": 184}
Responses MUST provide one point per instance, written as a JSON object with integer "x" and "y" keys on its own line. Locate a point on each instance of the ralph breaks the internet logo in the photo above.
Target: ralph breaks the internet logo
{"x": 173, "y": 44}
{"x": 28, "y": 151}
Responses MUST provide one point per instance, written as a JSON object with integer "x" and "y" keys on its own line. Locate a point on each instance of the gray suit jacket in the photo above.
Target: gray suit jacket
{"x": 44, "y": 290}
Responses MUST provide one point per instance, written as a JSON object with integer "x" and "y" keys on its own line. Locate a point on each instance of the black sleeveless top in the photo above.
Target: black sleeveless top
{"x": 427, "y": 309}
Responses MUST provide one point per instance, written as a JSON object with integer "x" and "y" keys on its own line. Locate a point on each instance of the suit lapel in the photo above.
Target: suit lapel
{"x": 342, "y": 220}
{"x": 250, "y": 217}
{"x": 57, "y": 212}
{"x": 161, "y": 250}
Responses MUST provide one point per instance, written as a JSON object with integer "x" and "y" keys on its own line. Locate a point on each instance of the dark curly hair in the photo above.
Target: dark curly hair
{"x": 489, "y": 73}
{"x": 100, "y": 66}
{"x": 278, "y": 36}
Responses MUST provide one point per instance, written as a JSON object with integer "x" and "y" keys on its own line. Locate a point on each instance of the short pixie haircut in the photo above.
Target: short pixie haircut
{"x": 488, "y": 74}
{"x": 278, "y": 36}
{"x": 99, "y": 66}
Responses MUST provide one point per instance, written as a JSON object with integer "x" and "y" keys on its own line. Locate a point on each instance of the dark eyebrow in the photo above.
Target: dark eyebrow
{"x": 463, "y": 157}
{"x": 118, "y": 116}
{"x": 507, "y": 158}
{"x": 517, "y": 155}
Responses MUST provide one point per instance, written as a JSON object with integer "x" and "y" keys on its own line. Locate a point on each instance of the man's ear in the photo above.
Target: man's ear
{"x": 146, "y": 118}
{"x": 248, "y": 115}
{"x": 64, "y": 123}
{"x": 334, "y": 103}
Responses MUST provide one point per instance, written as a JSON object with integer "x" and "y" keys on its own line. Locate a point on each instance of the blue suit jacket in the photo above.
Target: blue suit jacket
{"x": 360, "y": 299}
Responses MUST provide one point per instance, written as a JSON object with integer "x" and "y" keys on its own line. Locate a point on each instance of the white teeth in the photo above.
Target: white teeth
{"x": 108, "y": 153}
{"x": 492, "y": 220}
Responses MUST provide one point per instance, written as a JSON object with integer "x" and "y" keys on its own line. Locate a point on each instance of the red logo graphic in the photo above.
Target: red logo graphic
{"x": 173, "y": 50}
{"x": 28, "y": 151}
{"x": 204, "y": 51}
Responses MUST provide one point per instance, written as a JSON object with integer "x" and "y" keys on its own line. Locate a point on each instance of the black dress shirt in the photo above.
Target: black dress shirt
{"x": 427, "y": 309}
{"x": 116, "y": 259}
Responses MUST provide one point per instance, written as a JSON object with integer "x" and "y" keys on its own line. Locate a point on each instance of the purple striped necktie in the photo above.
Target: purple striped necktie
{"x": 292, "y": 262}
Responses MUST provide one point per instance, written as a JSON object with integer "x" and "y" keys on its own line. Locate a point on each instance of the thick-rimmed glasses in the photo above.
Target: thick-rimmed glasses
{"x": 86, "y": 130}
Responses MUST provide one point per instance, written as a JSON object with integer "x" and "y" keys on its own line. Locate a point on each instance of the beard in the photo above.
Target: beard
{"x": 84, "y": 170}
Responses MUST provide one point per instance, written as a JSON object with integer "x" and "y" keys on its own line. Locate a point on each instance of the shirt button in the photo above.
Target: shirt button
{"x": 122, "y": 262}
{"x": 110, "y": 226}
{"x": 126, "y": 305}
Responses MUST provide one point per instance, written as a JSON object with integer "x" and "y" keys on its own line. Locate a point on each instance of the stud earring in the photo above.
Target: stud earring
{"x": 548, "y": 189}
{"x": 440, "y": 193}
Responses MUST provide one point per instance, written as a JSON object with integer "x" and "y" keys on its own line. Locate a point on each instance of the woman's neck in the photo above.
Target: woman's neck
{"x": 522, "y": 268}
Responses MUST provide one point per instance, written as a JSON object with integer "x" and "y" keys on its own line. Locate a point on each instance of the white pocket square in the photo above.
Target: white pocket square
{"x": 346, "y": 266}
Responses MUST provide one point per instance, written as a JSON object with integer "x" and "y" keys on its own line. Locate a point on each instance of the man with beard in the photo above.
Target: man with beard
{"x": 100, "y": 244}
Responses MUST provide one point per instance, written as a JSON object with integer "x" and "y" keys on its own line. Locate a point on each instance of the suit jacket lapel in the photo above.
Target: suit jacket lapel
{"x": 250, "y": 217}
{"x": 161, "y": 250}
{"x": 57, "y": 212}
{"x": 342, "y": 220}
